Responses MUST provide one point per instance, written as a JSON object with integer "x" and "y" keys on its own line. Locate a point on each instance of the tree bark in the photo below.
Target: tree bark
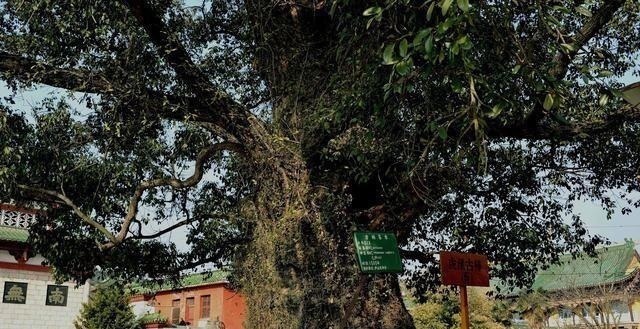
{"x": 300, "y": 270}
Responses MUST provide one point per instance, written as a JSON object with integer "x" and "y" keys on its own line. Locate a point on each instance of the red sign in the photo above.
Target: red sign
{"x": 463, "y": 269}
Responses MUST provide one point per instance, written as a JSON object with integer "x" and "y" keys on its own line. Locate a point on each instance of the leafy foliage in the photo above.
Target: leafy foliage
{"x": 108, "y": 308}
{"x": 442, "y": 311}
{"x": 269, "y": 131}
{"x": 153, "y": 318}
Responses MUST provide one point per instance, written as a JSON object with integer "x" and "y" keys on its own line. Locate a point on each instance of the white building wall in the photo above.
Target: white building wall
{"x": 141, "y": 308}
{"x": 34, "y": 314}
{"x": 5, "y": 256}
{"x": 620, "y": 315}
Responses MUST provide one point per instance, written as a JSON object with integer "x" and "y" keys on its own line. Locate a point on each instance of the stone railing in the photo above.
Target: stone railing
{"x": 15, "y": 217}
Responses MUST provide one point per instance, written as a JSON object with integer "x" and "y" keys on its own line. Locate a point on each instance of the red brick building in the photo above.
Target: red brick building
{"x": 202, "y": 301}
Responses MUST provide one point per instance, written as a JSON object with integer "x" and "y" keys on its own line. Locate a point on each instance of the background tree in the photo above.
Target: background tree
{"x": 442, "y": 311}
{"x": 271, "y": 130}
{"x": 435, "y": 313}
{"x": 482, "y": 312}
{"x": 108, "y": 308}
{"x": 535, "y": 309}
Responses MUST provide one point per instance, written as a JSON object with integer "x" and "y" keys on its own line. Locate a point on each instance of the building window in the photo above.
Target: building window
{"x": 619, "y": 307}
{"x": 190, "y": 310}
{"x": 175, "y": 311}
{"x": 205, "y": 306}
{"x": 566, "y": 313}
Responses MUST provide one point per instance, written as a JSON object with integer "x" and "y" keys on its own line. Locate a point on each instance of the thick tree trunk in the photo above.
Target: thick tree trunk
{"x": 300, "y": 270}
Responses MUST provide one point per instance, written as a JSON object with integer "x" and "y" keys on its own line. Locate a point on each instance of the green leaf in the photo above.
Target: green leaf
{"x": 605, "y": 74}
{"x": 372, "y": 11}
{"x": 404, "y": 46}
{"x": 370, "y": 21}
{"x": 442, "y": 132}
{"x": 604, "y": 99}
{"x": 495, "y": 110}
{"x": 428, "y": 45}
{"x": 403, "y": 67}
{"x": 552, "y": 20}
{"x": 467, "y": 44}
{"x": 430, "y": 11}
{"x": 387, "y": 55}
{"x": 417, "y": 40}
{"x": 548, "y": 102}
{"x": 560, "y": 118}
{"x": 455, "y": 49}
{"x": 568, "y": 46}
{"x": 516, "y": 69}
{"x": 584, "y": 11}
{"x": 446, "y": 4}
{"x": 463, "y": 5}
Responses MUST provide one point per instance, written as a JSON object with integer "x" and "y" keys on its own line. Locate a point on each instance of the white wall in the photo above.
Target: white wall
{"x": 6, "y": 257}
{"x": 35, "y": 314}
{"x": 620, "y": 315}
{"x": 141, "y": 308}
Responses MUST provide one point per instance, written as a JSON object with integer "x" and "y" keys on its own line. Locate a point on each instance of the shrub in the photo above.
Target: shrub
{"x": 153, "y": 318}
{"x": 108, "y": 308}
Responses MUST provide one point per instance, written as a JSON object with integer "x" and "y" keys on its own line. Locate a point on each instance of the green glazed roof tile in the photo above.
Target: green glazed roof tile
{"x": 186, "y": 281}
{"x": 609, "y": 266}
{"x": 13, "y": 234}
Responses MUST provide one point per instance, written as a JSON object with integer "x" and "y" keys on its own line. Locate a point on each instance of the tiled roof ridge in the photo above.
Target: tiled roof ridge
{"x": 187, "y": 281}
{"x": 610, "y": 266}
{"x": 622, "y": 279}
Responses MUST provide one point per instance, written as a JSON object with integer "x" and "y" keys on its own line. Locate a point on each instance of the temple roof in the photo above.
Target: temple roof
{"x": 612, "y": 265}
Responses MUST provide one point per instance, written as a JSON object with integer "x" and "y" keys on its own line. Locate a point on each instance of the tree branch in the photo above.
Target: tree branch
{"x": 86, "y": 218}
{"x": 419, "y": 256}
{"x": 166, "y": 230}
{"x": 563, "y": 57}
{"x": 28, "y": 70}
{"x": 132, "y": 210}
{"x": 231, "y": 241}
{"x": 599, "y": 19}
{"x": 567, "y": 132}
{"x": 204, "y": 155}
{"x": 80, "y": 80}
{"x": 222, "y": 110}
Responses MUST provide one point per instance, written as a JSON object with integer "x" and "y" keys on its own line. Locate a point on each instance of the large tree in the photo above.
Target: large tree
{"x": 272, "y": 130}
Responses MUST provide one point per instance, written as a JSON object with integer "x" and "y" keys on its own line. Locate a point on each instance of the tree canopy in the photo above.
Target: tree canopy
{"x": 272, "y": 130}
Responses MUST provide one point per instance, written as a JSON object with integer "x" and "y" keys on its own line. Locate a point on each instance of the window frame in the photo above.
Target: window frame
{"x": 173, "y": 313}
{"x": 203, "y": 314}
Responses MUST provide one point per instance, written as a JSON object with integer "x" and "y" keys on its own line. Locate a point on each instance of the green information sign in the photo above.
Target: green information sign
{"x": 377, "y": 252}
